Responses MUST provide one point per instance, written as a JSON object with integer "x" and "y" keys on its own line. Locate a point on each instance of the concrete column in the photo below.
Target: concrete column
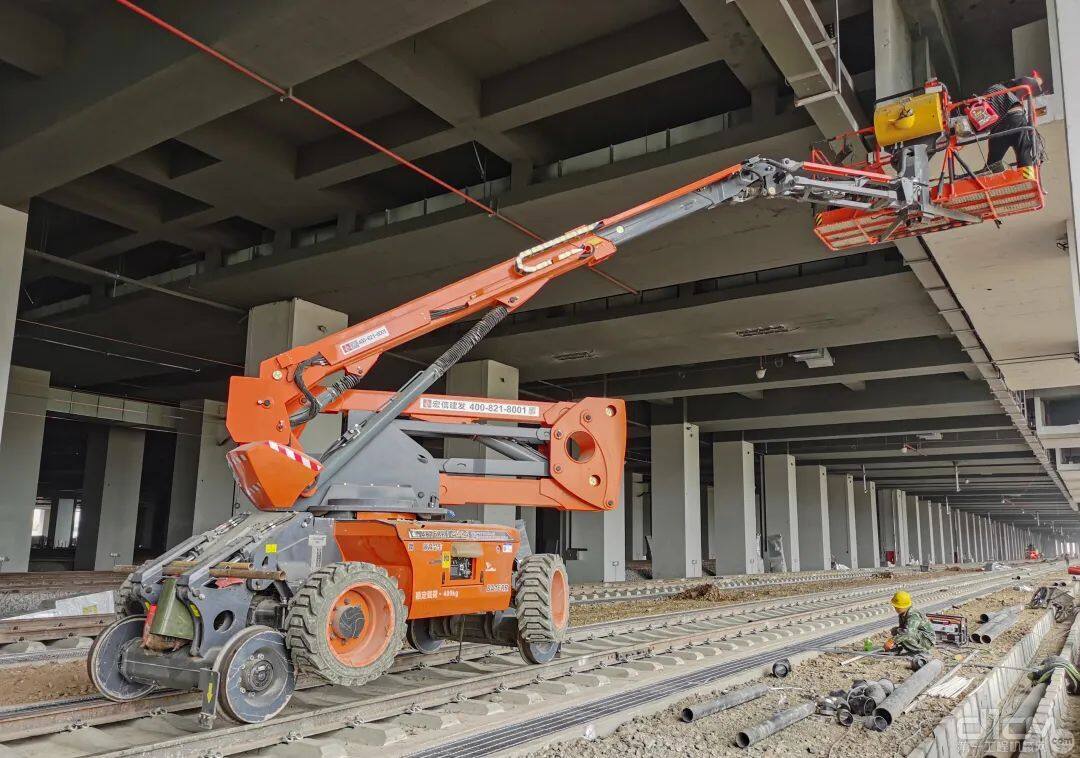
{"x": 914, "y": 521}
{"x": 892, "y": 49}
{"x": 866, "y": 526}
{"x": 274, "y": 328}
{"x": 204, "y": 493}
{"x": 886, "y": 516}
{"x": 926, "y": 531}
{"x": 25, "y": 400}
{"x": 842, "y": 519}
{"x": 973, "y": 538}
{"x": 637, "y": 517}
{"x": 903, "y": 544}
{"x": 63, "y": 521}
{"x": 676, "y": 502}
{"x": 938, "y": 529}
{"x": 495, "y": 380}
{"x": 12, "y": 244}
{"x": 782, "y": 505}
{"x": 603, "y": 535}
{"x": 110, "y": 504}
{"x": 948, "y": 534}
{"x": 735, "y": 531}
{"x": 708, "y": 549}
{"x": 812, "y": 494}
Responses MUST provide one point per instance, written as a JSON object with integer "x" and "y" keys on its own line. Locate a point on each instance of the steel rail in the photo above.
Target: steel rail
{"x": 320, "y": 720}
{"x": 656, "y": 631}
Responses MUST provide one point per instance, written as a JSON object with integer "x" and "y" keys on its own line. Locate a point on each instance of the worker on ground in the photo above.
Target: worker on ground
{"x": 1010, "y": 130}
{"x": 913, "y": 632}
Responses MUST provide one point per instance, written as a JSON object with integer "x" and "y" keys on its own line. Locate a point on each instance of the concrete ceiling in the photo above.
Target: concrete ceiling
{"x": 138, "y": 155}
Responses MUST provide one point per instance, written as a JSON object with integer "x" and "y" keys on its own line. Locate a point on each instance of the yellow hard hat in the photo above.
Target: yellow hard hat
{"x": 901, "y": 601}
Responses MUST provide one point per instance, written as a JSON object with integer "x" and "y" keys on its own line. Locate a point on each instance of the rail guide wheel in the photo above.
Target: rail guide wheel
{"x": 103, "y": 663}
{"x": 418, "y": 634}
{"x": 347, "y": 623}
{"x": 542, "y": 606}
{"x": 256, "y": 677}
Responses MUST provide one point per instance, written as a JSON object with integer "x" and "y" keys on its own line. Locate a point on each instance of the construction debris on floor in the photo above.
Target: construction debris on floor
{"x": 853, "y": 703}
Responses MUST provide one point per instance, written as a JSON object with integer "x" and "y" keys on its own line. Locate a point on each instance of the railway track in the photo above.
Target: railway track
{"x": 425, "y": 690}
{"x": 66, "y": 627}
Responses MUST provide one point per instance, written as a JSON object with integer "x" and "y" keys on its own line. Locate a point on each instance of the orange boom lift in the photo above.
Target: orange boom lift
{"x": 350, "y": 552}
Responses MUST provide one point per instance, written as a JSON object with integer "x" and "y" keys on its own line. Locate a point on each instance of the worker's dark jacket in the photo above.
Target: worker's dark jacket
{"x": 915, "y": 634}
{"x": 1013, "y": 129}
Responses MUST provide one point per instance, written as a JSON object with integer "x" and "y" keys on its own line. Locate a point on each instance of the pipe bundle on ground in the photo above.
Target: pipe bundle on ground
{"x": 999, "y": 623}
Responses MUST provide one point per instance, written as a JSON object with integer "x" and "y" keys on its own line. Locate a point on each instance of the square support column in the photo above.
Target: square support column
{"x": 903, "y": 549}
{"x": 63, "y": 522}
{"x": 926, "y": 532}
{"x": 495, "y": 380}
{"x": 12, "y": 245}
{"x": 735, "y": 531}
{"x": 676, "y": 502}
{"x": 603, "y": 535}
{"x": 274, "y": 328}
{"x": 204, "y": 493}
{"x": 782, "y": 505}
{"x": 842, "y": 520}
{"x": 948, "y": 534}
{"x": 636, "y": 520}
{"x": 866, "y": 526}
{"x": 812, "y": 492}
{"x": 914, "y": 523}
{"x": 886, "y": 516}
{"x": 110, "y": 505}
{"x": 25, "y": 402}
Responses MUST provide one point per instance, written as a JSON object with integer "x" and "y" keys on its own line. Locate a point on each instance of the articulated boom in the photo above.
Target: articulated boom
{"x": 351, "y": 552}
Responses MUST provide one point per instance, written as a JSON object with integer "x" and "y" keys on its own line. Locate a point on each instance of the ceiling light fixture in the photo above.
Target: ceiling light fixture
{"x": 760, "y": 373}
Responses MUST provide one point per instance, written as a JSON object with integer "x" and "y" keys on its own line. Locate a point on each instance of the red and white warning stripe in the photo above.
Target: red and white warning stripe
{"x": 295, "y": 455}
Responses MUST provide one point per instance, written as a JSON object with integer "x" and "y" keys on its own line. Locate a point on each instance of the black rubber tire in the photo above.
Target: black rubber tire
{"x": 537, "y": 620}
{"x": 126, "y": 603}
{"x": 309, "y": 613}
{"x": 418, "y": 635}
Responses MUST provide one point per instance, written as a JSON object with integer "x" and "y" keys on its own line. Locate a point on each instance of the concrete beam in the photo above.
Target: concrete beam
{"x": 640, "y": 54}
{"x": 30, "y": 42}
{"x": 443, "y": 86}
{"x": 129, "y": 86}
{"x": 930, "y": 21}
{"x": 795, "y": 37}
{"x": 886, "y": 400}
{"x": 722, "y": 22}
{"x": 854, "y": 365}
{"x": 989, "y": 423}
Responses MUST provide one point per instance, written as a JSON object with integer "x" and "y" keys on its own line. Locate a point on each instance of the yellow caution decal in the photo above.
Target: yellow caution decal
{"x": 446, "y": 559}
{"x": 271, "y": 547}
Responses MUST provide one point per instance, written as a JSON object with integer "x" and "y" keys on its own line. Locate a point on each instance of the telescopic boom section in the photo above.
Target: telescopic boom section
{"x": 287, "y": 392}
{"x": 274, "y": 405}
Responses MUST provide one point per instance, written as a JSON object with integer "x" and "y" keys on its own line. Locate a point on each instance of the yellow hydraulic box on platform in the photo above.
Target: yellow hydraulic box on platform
{"x": 909, "y": 118}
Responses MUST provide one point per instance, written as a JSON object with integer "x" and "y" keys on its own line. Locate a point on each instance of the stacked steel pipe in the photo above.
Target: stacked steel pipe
{"x": 996, "y": 624}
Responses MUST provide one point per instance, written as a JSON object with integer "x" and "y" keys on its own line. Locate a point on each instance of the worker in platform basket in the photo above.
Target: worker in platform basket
{"x": 913, "y": 632}
{"x": 1010, "y": 124}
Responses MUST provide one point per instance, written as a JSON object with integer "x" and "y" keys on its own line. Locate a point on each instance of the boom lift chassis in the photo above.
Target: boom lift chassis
{"x": 351, "y": 552}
